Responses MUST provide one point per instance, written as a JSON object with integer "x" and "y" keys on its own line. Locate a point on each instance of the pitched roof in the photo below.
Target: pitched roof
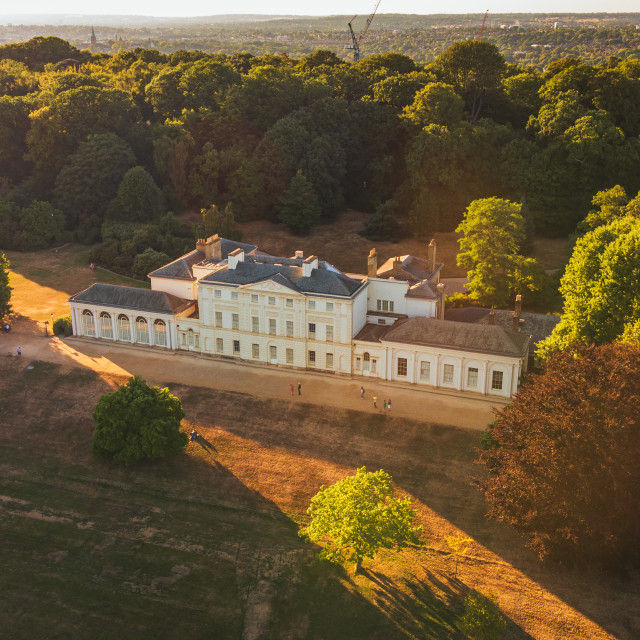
{"x": 459, "y": 335}
{"x": 411, "y": 268}
{"x": 325, "y": 279}
{"x": 182, "y": 267}
{"x": 111, "y": 295}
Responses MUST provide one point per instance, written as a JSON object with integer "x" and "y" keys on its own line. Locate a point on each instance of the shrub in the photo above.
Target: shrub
{"x": 482, "y": 619}
{"x": 63, "y": 325}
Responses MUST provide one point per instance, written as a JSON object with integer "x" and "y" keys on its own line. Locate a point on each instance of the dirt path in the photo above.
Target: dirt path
{"x": 161, "y": 367}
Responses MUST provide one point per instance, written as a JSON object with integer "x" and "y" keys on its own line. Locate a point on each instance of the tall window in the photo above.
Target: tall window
{"x": 124, "y": 328}
{"x": 106, "y": 328}
{"x": 289, "y": 302}
{"x": 290, "y": 328}
{"x": 160, "y": 333}
{"x": 219, "y": 319}
{"x": 219, "y": 345}
{"x": 329, "y": 360}
{"x": 367, "y": 361}
{"x": 496, "y": 380}
{"x": 312, "y": 358}
{"x": 273, "y": 353}
{"x": 312, "y": 330}
{"x": 329, "y": 330}
{"x": 374, "y": 365}
{"x": 235, "y": 321}
{"x": 358, "y": 364}
{"x": 425, "y": 370}
{"x": 447, "y": 378}
{"x": 88, "y": 323}
{"x": 142, "y": 331}
{"x": 472, "y": 377}
{"x": 255, "y": 324}
{"x": 272, "y": 326}
{"x": 255, "y": 351}
{"x": 402, "y": 366}
{"x": 236, "y": 346}
{"x": 289, "y": 356}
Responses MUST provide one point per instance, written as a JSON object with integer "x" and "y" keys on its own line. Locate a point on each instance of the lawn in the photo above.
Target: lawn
{"x": 205, "y": 544}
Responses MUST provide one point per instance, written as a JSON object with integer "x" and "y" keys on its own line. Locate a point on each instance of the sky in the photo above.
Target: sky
{"x": 325, "y": 7}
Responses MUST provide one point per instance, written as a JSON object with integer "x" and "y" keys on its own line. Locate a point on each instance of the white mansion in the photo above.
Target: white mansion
{"x": 227, "y": 299}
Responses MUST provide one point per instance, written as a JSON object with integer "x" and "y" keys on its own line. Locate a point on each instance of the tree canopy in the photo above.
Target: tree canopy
{"x": 563, "y": 463}
{"x": 5, "y": 289}
{"x": 357, "y": 516}
{"x": 137, "y": 422}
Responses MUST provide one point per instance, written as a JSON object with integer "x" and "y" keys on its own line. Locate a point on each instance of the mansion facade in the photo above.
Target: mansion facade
{"x": 229, "y": 300}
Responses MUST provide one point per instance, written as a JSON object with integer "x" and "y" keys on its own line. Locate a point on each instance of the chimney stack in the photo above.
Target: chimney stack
{"x": 234, "y": 257}
{"x": 440, "y": 304}
{"x": 431, "y": 256}
{"x": 516, "y": 314}
{"x": 372, "y": 264}
{"x": 299, "y": 255}
{"x": 397, "y": 263}
{"x": 212, "y": 247}
{"x": 309, "y": 265}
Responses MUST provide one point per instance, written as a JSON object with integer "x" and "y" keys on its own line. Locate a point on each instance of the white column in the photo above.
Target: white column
{"x": 436, "y": 380}
{"x": 462, "y": 365}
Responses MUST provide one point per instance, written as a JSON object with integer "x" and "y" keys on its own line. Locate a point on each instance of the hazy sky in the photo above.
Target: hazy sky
{"x": 326, "y": 7}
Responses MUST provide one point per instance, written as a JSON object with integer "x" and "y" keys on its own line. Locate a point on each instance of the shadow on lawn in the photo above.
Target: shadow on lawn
{"x": 431, "y": 462}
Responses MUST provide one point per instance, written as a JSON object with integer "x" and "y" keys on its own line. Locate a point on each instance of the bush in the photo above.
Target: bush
{"x": 482, "y": 619}
{"x": 460, "y": 300}
{"x": 63, "y": 325}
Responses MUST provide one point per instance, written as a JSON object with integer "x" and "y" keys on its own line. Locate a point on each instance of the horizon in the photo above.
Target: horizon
{"x": 199, "y": 9}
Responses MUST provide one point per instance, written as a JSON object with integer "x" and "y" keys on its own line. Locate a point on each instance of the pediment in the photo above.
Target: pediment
{"x": 270, "y": 286}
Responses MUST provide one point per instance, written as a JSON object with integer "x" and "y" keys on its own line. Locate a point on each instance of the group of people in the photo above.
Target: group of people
{"x": 292, "y": 388}
{"x": 386, "y": 404}
{"x": 194, "y": 435}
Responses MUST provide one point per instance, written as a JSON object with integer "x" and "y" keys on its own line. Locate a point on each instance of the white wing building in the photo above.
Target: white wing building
{"x": 227, "y": 299}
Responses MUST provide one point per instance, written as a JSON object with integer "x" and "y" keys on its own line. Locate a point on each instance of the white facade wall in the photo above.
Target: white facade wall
{"x": 419, "y": 307}
{"x": 447, "y": 368}
{"x": 181, "y": 288}
{"x": 115, "y": 334}
{"x": 390, "y": 290}
{"x": 360, "y": 304}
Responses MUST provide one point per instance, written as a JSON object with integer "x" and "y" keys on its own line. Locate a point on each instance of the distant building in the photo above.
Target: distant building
{"x": 228, "y": 299}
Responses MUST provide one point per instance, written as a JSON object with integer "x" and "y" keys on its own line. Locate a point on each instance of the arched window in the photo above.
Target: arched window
{"x": 124, "y": 328}
{"x": 88, "y": 323}
{"x": 142, "y": 331}
{"x": 367, "y": 359}
{"x": 160, "y": 333}
{"x": 106, "y": 328}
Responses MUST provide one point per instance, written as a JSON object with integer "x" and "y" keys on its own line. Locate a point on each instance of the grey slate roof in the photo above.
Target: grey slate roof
{"x": 182, "y": 268}
{"x": 325, "y": 280}
{"x": 111, "y": 295}
{"x": 415, "y": 270}
{"x": 538, "y": 325}
{"x": 459, "y": 335}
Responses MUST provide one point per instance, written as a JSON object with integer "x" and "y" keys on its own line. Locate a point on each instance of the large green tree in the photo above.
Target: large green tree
{"x": 563, "y": 459}
{"x": 600, "y": 286}
{"x": 300, "y": 207}
{"x": 5, "y": 289}
{"x": 356, "y": 517}
{"x": 137, "y": 422}
{"x": 138, "y": 199}
{"x": 41, "y": 225}
{"x": 493, "y": 231}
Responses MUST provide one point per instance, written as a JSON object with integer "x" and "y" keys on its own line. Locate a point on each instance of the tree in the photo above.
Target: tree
{"x": 493, "y": 231}
{"x": 137, "y": 422}
{"x": 600, "y": 286}
{"x": 300, "y": 207}
{"x": 474, "y": 68}
{"x": 138, "y": 198}
{"x": 459, "y": 548}
{"x": 482, "y": 619}
{"x": 220, "y": 221}
{"x": 563, "y": 459}
{"x": 90, "y": 179}
{"x": 41, "y": 225}
{"x": 437, "y": 103}
{"x": 357, "y": 516}
{"x": 149, "y": 260}
{"x": 5, "y": 289}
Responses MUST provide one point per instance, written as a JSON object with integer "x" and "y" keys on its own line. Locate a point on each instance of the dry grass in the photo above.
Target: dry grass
{"x": 204, "y": 544}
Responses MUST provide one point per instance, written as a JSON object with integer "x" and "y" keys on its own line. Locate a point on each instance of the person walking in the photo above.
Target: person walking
{"x": 19, "y": 351}
{"x": 375, "y": 402}
{"x": 291, "y": 388}
{"x": 299, "y": 389}
{"x": 361, "y": 393}
{"x": 389, "y": 404}
{"x": 384, "y": 404}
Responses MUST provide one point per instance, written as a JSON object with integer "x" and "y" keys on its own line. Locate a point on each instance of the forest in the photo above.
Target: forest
{"x": 108, "y": 149}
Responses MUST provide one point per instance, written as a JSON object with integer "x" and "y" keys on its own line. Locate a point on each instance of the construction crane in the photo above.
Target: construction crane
{"x": 484, "y": 20}
{"x": 355, "y": 40}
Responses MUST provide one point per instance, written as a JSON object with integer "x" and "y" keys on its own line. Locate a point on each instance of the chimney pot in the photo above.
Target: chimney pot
{"x": 299, "y": 254}
{"x": 431, "y": 255}
{"x": 440, "y": 303}
{"x": 397, "y": 263}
